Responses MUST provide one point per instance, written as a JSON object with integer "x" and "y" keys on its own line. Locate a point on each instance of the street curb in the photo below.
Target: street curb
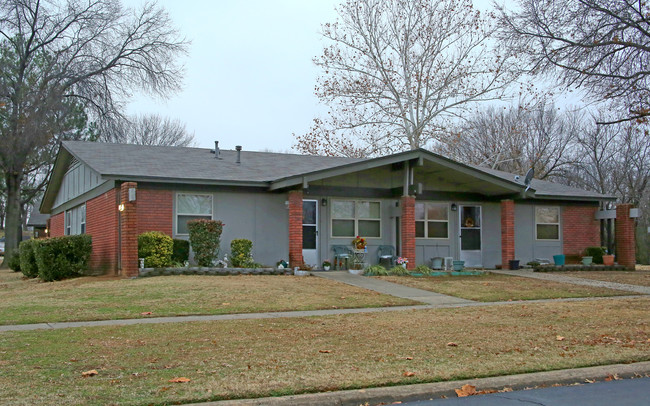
{"x": 425, "y": 391}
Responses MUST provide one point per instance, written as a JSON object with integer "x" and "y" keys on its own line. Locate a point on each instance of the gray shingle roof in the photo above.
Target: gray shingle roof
{"x": 182, "y": 163}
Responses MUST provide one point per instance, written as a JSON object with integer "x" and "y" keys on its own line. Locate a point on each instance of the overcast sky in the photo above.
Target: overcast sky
{"x": 249, "y": 75}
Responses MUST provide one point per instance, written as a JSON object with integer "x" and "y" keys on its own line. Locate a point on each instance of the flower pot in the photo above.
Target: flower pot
{"x": 298, "y": 272}
{"x": 404, "y": 266}
{"x": 608, "y": 260}
{"x": 513, "y": 264}
{"x": 356, "y": 271}
{"x": 587, "y": 260}
{"x": 436, "y": 262}
{"x": 327, "y": 268}
{"x": 458, "y": 265}
{"x": 559, "y": 260}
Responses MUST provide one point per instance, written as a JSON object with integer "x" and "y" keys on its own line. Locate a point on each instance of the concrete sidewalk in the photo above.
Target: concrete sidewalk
{"x": 549, "y": 276}
{"x": 393, "y": 289}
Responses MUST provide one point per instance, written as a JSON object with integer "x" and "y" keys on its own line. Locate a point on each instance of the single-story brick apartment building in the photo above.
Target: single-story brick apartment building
{"x": 297, "y": 207}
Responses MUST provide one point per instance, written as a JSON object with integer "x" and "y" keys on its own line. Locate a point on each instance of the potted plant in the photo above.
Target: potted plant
{"x": 608, "y": 260}
{"x": 327, "y": 265}
{"x": 302, "y": 270}
{"x": 402, "y": 261}
{"x": 359, "y": 243}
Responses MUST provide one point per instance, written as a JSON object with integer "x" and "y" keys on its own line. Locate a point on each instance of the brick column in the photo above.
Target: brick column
{"x": 128, "y": 232}
{"x": 507, "y": 232}
{"x": 625, "y": 242}
{"x": 407, "y": 223}
{"x": 295, "y": 228}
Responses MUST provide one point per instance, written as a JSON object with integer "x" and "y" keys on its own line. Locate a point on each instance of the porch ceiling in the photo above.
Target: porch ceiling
{"x": 435, "y": 176}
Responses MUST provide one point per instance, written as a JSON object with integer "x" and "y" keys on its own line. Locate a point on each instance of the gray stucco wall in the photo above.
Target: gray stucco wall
{"x": 527, "y": 248}
{"x": 260, "y": 217}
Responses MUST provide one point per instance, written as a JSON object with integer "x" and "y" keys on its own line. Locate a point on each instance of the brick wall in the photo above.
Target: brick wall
{"x": 507, "y": 232}
{"x": 625, "y": 242}
{"x": 102, "y": 225}
{"x": 155, "y": 210}
{"x": 295, "y": 228}
{"x": 129, "y": 232}
{"x": 580, "y": 229}
{"x": 57, "y": 225}
{"x": 407, "y": 223}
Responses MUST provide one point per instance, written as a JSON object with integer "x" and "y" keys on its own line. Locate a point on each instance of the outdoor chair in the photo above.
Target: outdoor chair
{"x": 386, "y": 253}
{"x": 341, "y": 254}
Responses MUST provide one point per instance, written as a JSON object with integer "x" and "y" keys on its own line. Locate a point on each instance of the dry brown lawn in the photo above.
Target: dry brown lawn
{"x": 254, "y": 358}
{"x": 641, "y": 278}
{"x": 495, "y": 287}
{"x": 24, "y": 301}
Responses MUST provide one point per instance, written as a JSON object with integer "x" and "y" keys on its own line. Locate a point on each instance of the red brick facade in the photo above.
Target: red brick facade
{"x": 625, "y": 242}
{"x": 155, "y": 211}
{"x": 128, "y": 232}
{"x": 507, "y": 232}
{"x": 580, "y": 229}
{"x": 57, "y": 225}
{"x": 102, "y": 225}
{"x": 295, "y": 228}
{"x": 407, "y": 225}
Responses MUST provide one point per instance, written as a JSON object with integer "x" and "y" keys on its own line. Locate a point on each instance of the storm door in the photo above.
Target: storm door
{"x": 310, "y": 231}
{"x": 470, "y": 235}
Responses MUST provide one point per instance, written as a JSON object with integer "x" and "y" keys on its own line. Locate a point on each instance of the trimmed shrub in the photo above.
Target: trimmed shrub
{"x": 240, "y": 253}
{"x": 28, "y": 265}
{"x": 13, "y": 261}
{"x": 181, "y": 251}
{"x": 375, "y": 270}
{"x": 205, "y": 237}
{"x": 156, "y": 248}
{"x": 595, "y": 252}
{"x": 423, "y": 269}
{"x": 63, "y": 257}
{"x": 398, "y": 270}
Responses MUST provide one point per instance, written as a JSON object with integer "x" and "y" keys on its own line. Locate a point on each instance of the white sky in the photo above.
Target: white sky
{"x": 249, "y": 76}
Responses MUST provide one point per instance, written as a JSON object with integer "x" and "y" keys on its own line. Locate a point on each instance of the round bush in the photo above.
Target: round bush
{"x": 205, "y": 237}
{"x": 156, "y": 248}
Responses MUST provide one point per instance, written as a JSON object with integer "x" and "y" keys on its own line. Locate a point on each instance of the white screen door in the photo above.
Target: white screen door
{"x": 310, "y": 232}
{"x": 470, "y": 236}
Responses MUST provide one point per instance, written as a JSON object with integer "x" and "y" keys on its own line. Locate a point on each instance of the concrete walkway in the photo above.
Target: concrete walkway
{"x": 393, "y": 289}
{"x": 550, "y": 276}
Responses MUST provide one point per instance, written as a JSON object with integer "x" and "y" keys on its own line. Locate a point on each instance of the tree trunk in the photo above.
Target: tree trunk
{"x": 13, "y": 229}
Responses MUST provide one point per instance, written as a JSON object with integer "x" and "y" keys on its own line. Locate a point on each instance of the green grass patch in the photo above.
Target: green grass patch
{"x": 256, "y": 358}
{"x": 496, "y": 288}
{"x": 25, "y": 301}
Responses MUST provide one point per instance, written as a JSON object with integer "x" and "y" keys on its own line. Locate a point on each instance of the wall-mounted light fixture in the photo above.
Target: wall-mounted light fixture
{"x": 121, "y": 207}
{"x": 286, "y": 204}
{"x": 323, "y": 202}
{"x": 132, "y": 194}
{"x": 454, "y": 207}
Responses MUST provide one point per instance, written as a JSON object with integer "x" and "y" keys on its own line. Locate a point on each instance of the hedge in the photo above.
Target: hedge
{"x": 62, "y": 257}
{"x": 13, "y": 261}
{"x": 240, "y": 251}
{"x": 28, "y": 265}
{"x": 205, "y": 237}
{"x": 156, "y": 248}
{"x": 181, "y": 251}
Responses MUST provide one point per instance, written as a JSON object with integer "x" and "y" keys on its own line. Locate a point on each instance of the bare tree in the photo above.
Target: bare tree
{"x": 149, "y": 129}
{"x": 396, "y": 70}
{"x": 601, "y": 46}
{"x": 56, "y": 54}
{"x": 517, "y": 138}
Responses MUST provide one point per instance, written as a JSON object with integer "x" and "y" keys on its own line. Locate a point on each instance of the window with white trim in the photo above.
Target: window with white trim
{"x": 432, "y": 220}
{"x": 356, "y": 217}
{"x": 75, "y": 220}
{"x": 547, "y": 223}
{"x": 68, "y": 222}
{"x": 191, "y": 207}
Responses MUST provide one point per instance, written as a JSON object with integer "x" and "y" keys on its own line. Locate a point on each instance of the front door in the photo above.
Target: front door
{"x": 310, "y": 232}
{"x": 470, "y": 235}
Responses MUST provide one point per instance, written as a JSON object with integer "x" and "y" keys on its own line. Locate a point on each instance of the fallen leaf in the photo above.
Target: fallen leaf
{"x": 145, "y": 313}
{"x": 466, "y": 390}
{"x": 409, "y": 374}
{"x": 92, "y": 372}
{"x": 324, "y": 351}
{"x": 590, "y": 381}
{"x": 181, "y": 379}
{"x": 409, "y": 358}
{"x": 559, "y": 338}
{"x": 452, "y": 344}
{"x": 611, "y": 377}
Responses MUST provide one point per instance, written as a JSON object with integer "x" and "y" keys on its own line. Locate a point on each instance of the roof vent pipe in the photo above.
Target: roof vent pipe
{"x": 238, "y": 148}
{"x": 216, "y": 150}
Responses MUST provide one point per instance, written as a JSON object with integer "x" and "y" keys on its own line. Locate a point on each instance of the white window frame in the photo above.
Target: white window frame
{"x": 559, "y": 220}
{"x": 82, "y": 219}
{"x": 426, "y": 220}
{"x": 67, "y": 219}
{"x": 75, "y": 220}
{"x": 355, "y": 219}
{"x": 193, "y": 214}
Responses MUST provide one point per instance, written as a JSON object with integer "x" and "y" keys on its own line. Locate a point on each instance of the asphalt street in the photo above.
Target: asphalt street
{"x": 626, "y": 392}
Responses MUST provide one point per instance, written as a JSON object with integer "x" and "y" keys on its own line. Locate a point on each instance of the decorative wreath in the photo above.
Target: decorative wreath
{"x": 469, "y": 222}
